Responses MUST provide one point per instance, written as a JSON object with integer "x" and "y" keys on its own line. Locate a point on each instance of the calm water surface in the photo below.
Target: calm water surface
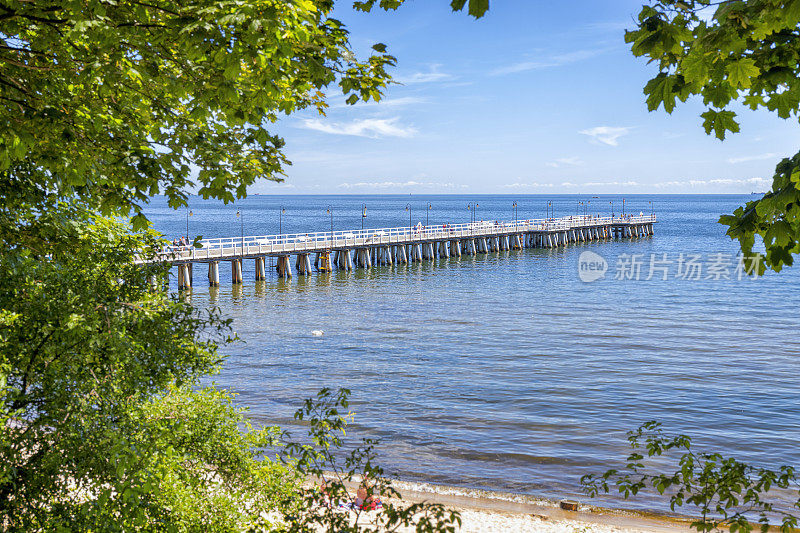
{"x": 505, "y": 371}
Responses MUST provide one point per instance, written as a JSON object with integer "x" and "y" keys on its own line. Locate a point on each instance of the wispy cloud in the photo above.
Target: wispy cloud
{"x": 606, "y": 134}
{"x": 629, "y": 183}
{"x": 570, "y": 185}
{"x": 753, "y": 182}
{"x": 369, "y": 127}
{"x": 529, "y": 185}
{"x": 611, "y": 26}
{"x": 549, "y": 61}
{"x": 339, "y": 103}
{"x": 746, "y": 158}
{"x": 433, "y": 74}
{"x": 565, "y": 162}
{"x": 396, "y": 185}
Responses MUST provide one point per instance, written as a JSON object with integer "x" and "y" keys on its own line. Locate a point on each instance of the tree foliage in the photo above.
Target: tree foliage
{"x": 115, "y": 101}
{"x": 476, "y": 8}
{"x": 322, "y": 458}
{"x": 728, "y": 52}
{"x": 725, "y": 492}
{"x": 103, "y": 103}
{"x": 99, "y": 430}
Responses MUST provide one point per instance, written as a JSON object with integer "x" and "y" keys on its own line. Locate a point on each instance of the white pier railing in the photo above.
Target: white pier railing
{"x": 294, "y": 243}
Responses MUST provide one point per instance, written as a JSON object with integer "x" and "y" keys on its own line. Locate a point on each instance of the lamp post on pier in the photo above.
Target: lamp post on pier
{"x": 281, "y": 211}
{"x": 473, "y": 211}
{"x": 408, "y": 208}
{"x": 330, "y": 212}
{"x": 652, "y": 213}
{"x": 514, "y": 207}
{"x": 427, "y": 211}
{"x": 240, "y": 216}
{"x": 363, "y": 215}
{"x": 623, "y": 208}
{"x": 188, "y": 214}
{"x": 612, "y": 210}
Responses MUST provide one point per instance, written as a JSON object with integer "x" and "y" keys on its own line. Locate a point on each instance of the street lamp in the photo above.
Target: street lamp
{"x": 188, "y": 214}
{"x": 623, "y": 208}
{"x": 652, "y": 213}
{"x": 240, "y": 216}
{"x": 408, "y": 208}
{"x": 363, "y": 215}
{"x": 473, "y": 209}
{"x": 586, "y": 209}
{"x": 281, "y": 211}
{"x": 514, "y": 206}
{"x": 612, "y": 208}
{"x": 428, "y": 210}
{"x": 330, "y": 212}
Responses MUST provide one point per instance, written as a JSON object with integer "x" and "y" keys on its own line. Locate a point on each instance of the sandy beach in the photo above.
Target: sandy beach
{"x": 486, "y": 512}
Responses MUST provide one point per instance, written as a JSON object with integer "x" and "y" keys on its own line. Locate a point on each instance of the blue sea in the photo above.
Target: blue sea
{"x": 506, "y": 372}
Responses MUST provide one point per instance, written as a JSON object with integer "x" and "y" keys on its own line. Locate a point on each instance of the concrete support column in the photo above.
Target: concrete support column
{"x": 261, "y": 274}
{"x": 236, "y": 271}
{"x": 324, "y": 264}
{"x": 213, "y": 274}
{"x": 284, "y": 267}
{"x": 184, "y": 276}
{"x": 469, "y": 246}
{"x": 444, "y": 252}
{"x": 363, "y": 258}
{"x": 303, "y": 264}
{"x": 427, "y": 253}
{"x": 344, "y": 260}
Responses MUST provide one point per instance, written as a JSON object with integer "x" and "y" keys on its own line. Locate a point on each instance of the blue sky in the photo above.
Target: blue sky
{"x": 536, "y": 97}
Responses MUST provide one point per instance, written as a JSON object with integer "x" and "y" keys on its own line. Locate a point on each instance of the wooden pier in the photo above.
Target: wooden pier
{"x": 347, "y": 250}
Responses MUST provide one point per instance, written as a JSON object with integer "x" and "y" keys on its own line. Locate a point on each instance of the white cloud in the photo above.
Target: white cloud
{"x": 432, "y": 75}
{"x": 745, "y": 159}
{"x": 629, "y": 183}
{"x": 339, "y": 103}
{"x": 760, "y": 183}
{"x": 369, "y": 127}
{"x": 529, "y": 185}
{"x": 570, "y": 185}
{"x": 565, "y": 161}
{"x": 395, "y": 185}
{"x": 548, "y": 62}
{"x": 606, "y": 134}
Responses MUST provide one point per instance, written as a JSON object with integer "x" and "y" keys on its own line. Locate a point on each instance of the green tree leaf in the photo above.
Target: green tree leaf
{"x": 720, "y": 122}
{"x": 741, "y": 72}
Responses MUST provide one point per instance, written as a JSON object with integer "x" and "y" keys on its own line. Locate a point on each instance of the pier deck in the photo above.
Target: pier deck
{"x": 386, "y": 246}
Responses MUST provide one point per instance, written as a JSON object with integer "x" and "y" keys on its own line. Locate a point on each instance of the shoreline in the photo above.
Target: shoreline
{"x": 486, "y": 511}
